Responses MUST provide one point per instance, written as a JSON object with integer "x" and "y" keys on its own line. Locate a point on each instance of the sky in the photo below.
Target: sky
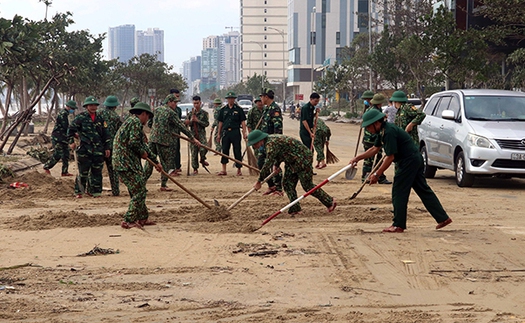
{"x": 185, "y": 22}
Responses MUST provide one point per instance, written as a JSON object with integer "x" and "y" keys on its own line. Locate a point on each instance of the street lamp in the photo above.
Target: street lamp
{"x": 281, "y": 32}
{"x": 312, "y": 33}
{"x": 262, "y": 63}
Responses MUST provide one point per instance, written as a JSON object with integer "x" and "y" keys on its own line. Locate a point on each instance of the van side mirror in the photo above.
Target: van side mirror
{"x": 448, "y": 114}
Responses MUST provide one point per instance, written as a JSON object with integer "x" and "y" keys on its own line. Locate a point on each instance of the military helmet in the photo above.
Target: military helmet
{"x": 142, "y": 106}
{"x": 171, "y": 98}
{"x": 367, "y": 94}
{"x": 72, "y": 104}
{"x": 256, "y": 136}
{"x": 399, "y": 96}
{"x": 217, "y": 101}
{"x": 111, "y": 101}
{"x": 378, "y": 99}
{"x": 134, "y": 101}
{"x": 372, "y": 116}
{"x": 90, "y": 100}
{"x": 257, "y": 99}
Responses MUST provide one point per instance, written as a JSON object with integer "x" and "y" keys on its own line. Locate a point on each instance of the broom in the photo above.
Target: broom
{"x": 330, "y": 157}
{"x": 252, "y": 161}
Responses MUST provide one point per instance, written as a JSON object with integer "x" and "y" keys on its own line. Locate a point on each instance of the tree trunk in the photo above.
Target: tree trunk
{"x": 25, "y": 95}
{"x": 6, "y": 114}
{"x": 54, "y": 105}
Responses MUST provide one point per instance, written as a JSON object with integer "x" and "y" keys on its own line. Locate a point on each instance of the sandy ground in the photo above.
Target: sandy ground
{"x": 200, "y": 265}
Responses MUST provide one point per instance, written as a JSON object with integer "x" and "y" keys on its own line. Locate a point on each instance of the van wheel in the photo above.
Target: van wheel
{"x": 429, "y": 171}
{"x": 463, "y": 179}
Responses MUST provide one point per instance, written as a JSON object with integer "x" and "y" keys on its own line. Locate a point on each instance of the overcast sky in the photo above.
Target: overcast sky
{"x": 185, "y": 22}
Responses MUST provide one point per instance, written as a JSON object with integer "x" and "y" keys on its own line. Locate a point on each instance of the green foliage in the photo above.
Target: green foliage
{"x": 42, "y": 154}
{"x": 325, "y": 112}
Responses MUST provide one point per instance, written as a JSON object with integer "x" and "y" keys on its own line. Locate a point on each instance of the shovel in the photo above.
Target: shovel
{"x": 250, "y": 192}
{"x": 376, "y": 167}
{"x": 182, "y": 187}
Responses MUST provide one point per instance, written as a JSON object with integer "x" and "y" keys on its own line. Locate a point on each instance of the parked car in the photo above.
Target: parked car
{"x": 474, "y": 133}
{"x": 185, "y": 107}
{"x": 246, "y": 105}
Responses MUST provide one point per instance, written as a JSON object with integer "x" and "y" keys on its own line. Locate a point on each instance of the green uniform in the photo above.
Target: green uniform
{"x": 322, "y": 135}
{"x": 231, "y": 119}
{"x": 199, "y": 131}
{"x": 128, "y": 146}
{"x": 406, "y": 114}
{"x": 297, "y": 161}
{"x": 162, "y": 141}
{"x": 409, "y": 174}
{"x": 215, "y": 126}
{"x": 60, "y": 142}
{"x": 113, "y": 122}
{"x": 253, "y": 118}
{"x": 272, "y": 123}
{"x": 369, "y": 140}
{"x": 308, "y": 114}
{"x": 94, "y": 141}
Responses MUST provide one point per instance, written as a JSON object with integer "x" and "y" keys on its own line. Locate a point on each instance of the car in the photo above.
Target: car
{"x": 246, "y": 105}
{"x": 474, "y": 133}
{"x": 185, "y": 107}
{"x": 415, "y": 101}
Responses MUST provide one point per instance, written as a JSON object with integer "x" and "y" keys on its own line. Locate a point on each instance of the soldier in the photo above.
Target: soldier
{"x": 322, "y": 138}
{"x": 400, "y": 148}
{"x": 308, "y": 111}
{"x": 297, "y": 166}
{"x": 408, "y": 116}
{"x": 272, "y": 123}
{"x": 94, "y": 146}
{"x": 134, "y": 100}
{"x": 368, "y": 142}
{"x": 129, "y": 147}
{"x": 231, "y": 118}
{"x": 217, "y": 103}
{"x": 59, "y": 140}
{"x": 162, "y": 137}
{"x": 253, "y": 119}
{"x": 113, "y": 122}
{"x": 198, "y": 120}
{"x": 367, "y": 96}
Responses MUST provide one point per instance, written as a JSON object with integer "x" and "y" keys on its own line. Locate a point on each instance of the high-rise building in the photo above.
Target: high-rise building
{"x": 229, "y": 59}
{"x": 318, "y": 30}
{"x": 150, "y": 42}
{"x": 264, "y": 39}
{"x": 209, "y": 69}
{"x": 121, "y": 42}
{"x": 191, "y": 71}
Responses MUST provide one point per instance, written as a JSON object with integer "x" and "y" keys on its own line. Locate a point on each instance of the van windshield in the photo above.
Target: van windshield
{"x": 495, "y": 108}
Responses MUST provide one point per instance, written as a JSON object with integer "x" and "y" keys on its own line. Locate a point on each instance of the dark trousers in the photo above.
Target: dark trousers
{"x": 409, "y": 174}
{"x": 61, "y": 153}
{"x": 90, "y": 173}
{"x": 306, "y": 139}
{"x": 178, "y": 165}
{"x": 113, "y": 176}
{"x": 274, "y": 181}
{"x": 231, "y": 138}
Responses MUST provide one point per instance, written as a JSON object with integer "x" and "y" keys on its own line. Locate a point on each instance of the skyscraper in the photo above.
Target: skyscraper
{"x": 150, "y": 42}
{"x": 121, "y": 42}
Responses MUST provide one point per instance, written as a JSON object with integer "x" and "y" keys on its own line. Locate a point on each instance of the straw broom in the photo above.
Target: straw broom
{"x": 252, "y": 161}
{"x": 330, "y": 157}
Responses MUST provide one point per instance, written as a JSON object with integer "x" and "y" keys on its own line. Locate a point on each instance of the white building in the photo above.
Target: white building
{"x": 150, "y": 42}
{"x": 264, "y": 39}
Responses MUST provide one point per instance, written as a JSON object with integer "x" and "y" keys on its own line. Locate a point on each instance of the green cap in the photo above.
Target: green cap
{"x": 267, "y": 91}
{"x": 399, "y": 96}
{"x": 372, "y": 116}
{"x": 171, "y": 98}
{"x": 258, "y": 99}
{"x": 217, "y": 101}
{"x": 72, "y": 104}
{"x": 378, "y": 99}
{"x": 111, "y": 101}
{"x": 231, "y": 94}
{"x": 142, "y": 106}
{"x": 90, "y": 100}
{"x": 134, "y": 101}
{"x": 256, "y": 136}
{"x": 367, "y": 95}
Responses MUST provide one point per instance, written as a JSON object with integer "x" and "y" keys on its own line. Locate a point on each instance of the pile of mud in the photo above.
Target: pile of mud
{"x": 40, "y": 186}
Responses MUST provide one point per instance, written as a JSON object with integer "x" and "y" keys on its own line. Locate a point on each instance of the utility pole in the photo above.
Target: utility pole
{"x": 312, "y": 54}
{"x": 281, "y": 32}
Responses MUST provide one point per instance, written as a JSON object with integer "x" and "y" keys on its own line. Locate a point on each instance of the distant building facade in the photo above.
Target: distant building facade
{"x": 191, "y": 72}
{"x": 121, "y": 42}
{"x": 151, "y": 42}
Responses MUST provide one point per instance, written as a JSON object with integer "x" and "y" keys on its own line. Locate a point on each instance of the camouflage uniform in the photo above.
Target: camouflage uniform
{"x": 199, "y": 130}
{"x": 128, "y": 147}
{"x": 272, "y": 123}
{"x": 253, "y": 117}
{"x": 113, "y": 122}
{"x": 60, "y": 143}
{"x": 94, "y": 141}
{"x": 406, "y": 114}
{"x": 322, "y": 135}
{"x": 162, "y": 141}
{"x": 215, "y": 125}
{"x": 297, "y": 167}
{"x": 368, "y": 142}
{"x": 176, "y": 147}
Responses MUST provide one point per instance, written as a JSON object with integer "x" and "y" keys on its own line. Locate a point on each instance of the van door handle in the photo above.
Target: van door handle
{"x": 442, "y": 127}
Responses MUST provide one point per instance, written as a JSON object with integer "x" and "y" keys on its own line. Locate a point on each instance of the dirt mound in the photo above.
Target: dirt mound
{"x": 62, "y": 219}
{"x": 40, "y": 186}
